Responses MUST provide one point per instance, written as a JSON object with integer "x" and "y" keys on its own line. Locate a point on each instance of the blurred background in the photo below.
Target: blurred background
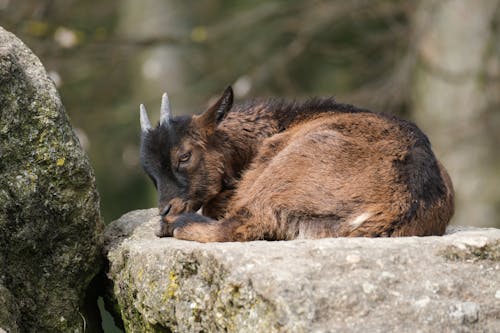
{"x": 436, "y": 62}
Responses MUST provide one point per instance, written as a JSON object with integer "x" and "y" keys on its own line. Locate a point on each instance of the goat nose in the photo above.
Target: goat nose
{"x": 165, "y": 210}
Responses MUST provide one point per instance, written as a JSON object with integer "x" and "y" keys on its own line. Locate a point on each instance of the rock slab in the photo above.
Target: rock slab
{"x": 50, "y": 227}
{"x": 412, "y": 284}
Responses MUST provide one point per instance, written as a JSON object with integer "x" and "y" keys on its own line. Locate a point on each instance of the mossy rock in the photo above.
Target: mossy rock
{"x": 406, "y": 284}
{"x": 8, "y": 311}
{"x": 50, "y": 226}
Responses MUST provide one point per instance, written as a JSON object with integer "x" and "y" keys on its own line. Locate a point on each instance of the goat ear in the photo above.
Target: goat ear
{"x": 218, "y": 111}
{"x": 224, "y": 104}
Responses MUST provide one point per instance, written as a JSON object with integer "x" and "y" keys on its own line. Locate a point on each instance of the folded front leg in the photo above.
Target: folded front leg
{"x": 196, "y": 227}
{"x": 239, "y": 227}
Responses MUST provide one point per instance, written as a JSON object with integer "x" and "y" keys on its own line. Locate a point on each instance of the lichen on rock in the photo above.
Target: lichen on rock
{"x": 50, "y": 226}
{"x": 403, "y": 284}
{"x": 161, "y": 288}
{"x": 9, "y": 312}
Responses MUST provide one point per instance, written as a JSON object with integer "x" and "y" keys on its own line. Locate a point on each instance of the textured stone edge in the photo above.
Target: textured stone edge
{"x": 469, "y": 248}
{"x": 230, "y": 303}
{"x": 20, "y": 57}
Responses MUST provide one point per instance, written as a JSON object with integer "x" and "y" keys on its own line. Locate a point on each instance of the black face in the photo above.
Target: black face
{"x": 175, "y": 157}
{"x": 166, "y": 157}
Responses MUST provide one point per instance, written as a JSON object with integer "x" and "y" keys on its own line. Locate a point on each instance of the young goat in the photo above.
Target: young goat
{"x": 277, "y": 170}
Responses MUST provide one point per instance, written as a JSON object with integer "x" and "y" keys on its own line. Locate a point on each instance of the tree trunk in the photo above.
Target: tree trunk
{"x": 451, "y": 100}
{"x": 158, "y": 68}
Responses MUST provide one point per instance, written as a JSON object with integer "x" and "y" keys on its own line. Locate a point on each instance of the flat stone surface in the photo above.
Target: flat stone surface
{"x": 412, "y": 284}
{"x": 50, "y": 228}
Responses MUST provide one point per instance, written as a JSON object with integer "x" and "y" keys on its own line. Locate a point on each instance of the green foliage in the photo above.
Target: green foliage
{"x": 109, "y": 56}
{"x": 281, "y": 47}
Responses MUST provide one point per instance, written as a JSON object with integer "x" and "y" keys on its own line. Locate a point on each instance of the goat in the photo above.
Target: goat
{"x": 279, "y": 170}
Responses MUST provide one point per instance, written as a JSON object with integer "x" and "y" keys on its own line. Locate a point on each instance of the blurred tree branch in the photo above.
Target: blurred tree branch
{"x": 366, "y": 52}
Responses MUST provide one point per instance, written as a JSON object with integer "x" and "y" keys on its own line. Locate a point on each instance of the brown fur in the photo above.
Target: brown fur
{"x": 279, "y": 171}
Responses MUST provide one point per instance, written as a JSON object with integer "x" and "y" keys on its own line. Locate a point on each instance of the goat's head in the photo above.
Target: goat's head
{"x": 179, "y": 157}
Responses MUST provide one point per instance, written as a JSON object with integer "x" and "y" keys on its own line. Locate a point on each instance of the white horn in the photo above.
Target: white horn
{"x": 145, "y": 124}
{"x": 165, "y": 113}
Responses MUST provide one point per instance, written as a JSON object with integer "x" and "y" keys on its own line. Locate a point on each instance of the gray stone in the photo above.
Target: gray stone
{"x": 8, "y": 311}
{"x": 50, "y": 227}
{"x": 411, "y": 284}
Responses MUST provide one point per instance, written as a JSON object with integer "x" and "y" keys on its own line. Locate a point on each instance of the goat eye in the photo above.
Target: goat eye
{"x": 185, "y": 157}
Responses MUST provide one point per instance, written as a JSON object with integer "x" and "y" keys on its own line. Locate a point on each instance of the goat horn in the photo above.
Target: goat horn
{"x": 165, "y": 113}
{"x": 145, "y": 123}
